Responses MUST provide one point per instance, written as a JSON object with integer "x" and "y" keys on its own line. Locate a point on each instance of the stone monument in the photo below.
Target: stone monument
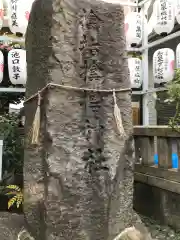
{"x": 79, "y": 178}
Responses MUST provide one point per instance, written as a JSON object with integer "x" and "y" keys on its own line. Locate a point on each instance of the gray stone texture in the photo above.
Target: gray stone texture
{"x": 158, "y": 204}
{"x": 10, "y": 225}
{"x": 79, "y": 179}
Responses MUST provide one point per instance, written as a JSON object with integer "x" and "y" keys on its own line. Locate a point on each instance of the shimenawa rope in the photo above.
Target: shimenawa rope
{"x": 38, "y": 95}
{"x": 36, "y": 122}
{"x": 117, "y": 116}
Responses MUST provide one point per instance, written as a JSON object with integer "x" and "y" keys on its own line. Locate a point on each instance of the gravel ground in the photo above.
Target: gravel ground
{"x": 159, "y": 231}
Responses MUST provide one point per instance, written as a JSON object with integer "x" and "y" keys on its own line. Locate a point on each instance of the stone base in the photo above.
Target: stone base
{"x": 156, "y": 203}
{"x": 10, "y": 225}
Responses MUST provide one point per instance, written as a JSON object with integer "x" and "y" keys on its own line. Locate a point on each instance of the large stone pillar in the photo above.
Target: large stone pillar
{"x": 79, "y": 179}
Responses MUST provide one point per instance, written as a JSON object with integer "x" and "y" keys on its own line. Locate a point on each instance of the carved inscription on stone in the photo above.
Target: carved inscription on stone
{"x": 93, "y": 77}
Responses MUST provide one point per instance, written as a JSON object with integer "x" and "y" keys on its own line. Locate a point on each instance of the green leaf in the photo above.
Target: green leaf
{"x": 174, "y": 96}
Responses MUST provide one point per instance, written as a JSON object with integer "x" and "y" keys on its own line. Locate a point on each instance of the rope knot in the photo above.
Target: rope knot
{"x": 39, "y": 98}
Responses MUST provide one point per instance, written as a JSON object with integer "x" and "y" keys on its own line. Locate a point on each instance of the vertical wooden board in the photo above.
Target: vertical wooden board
{"x": 178, "y": 151}
{"x": 145, "y": 149}
{"x": 137, "y": 142}
{"x": 135, "y": 117}
{"x": 136, "y": 113}
{"x": 174, "y": 157}
{"x": 164, "y": 150}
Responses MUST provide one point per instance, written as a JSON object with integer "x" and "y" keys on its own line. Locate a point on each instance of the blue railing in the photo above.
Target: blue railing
{"x": 174, "y": 159}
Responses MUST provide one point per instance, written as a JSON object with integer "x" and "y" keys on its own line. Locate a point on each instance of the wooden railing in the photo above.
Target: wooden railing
{"x": 163, "y": 142}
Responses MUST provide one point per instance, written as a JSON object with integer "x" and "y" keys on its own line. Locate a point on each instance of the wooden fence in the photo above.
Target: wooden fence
{"x": 161, "y": 142}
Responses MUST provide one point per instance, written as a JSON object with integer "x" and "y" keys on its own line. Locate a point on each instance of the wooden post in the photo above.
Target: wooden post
{"x": 135, "y": 113}
{"x": 144, "y": 148}
{"x": 178, "y": 151}
{"x": 164, "y": 149}
{"x": 137, "y": 143}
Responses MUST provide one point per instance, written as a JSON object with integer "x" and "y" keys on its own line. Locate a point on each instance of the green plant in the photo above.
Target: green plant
{"x": 174, "y": 96}
{"x": 6, "y": 98}
{"x": 17, "y": 195}
{"x": 12, "y": 144}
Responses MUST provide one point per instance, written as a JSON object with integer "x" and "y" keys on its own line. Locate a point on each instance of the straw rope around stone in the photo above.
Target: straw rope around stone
{"x": 36, "y": 122}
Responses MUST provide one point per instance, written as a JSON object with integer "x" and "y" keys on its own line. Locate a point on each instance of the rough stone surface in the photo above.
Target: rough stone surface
{"x": 159, "y": 231}
{"x": 157, "y": 204}
{"x": 79, "y": 180}
{"x": 10, "y": 225}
